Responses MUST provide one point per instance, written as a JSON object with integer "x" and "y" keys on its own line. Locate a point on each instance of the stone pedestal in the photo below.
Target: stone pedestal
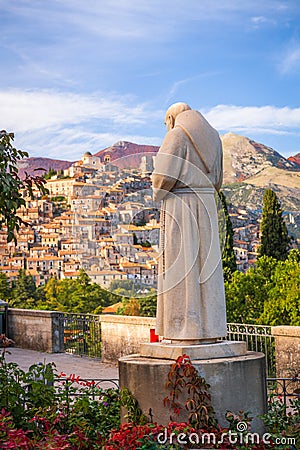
{"x": 219, "y": 349}
{"x": 237, "y": 383}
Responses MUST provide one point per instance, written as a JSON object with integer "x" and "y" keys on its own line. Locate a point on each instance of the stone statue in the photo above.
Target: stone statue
{"x": 188, "y": 169}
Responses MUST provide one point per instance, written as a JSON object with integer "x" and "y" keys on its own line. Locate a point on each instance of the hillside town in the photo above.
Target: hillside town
{"x": 101, "y": 218}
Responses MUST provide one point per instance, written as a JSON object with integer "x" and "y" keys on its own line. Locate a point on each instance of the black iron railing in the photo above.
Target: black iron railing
{"x": 82, "y": 334}
{"x": 283, "y": 389}
{"x": 78, "y": 387}
{"x": 258, "y": 339}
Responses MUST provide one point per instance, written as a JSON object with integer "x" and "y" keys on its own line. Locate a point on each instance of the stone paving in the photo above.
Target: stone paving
{"x": 67, "y": 363}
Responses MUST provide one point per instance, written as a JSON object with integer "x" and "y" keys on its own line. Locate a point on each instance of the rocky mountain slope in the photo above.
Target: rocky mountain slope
{"x": 30, "y": 165}
{"x": 244, "y": 158}
{"x": 295, "y": 159}
{"x": 250, "y": 168}
{"x": 127, "y": 154}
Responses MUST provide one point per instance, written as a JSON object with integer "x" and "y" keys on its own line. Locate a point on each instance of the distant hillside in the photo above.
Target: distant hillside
{"x": 30, "y": 165}
{"x": 295, "y": 159}
{"x": 251, "y": 197}
{"x": 128, "y": 154}
{"x": 244, "y": 158}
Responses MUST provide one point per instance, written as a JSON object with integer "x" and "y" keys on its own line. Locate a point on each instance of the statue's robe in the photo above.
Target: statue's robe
{"x": 191, "y": 299}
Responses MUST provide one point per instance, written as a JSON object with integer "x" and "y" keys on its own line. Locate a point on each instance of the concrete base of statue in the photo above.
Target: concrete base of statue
{"x": 237, "y": 381}
{"x": 219, "y": 349}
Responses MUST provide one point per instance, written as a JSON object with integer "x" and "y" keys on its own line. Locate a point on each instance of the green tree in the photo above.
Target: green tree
{"x": 267, "y": 294}
{"x": 282, "y": 307}
{"x": 131, "y": 307}
{"x": 124, "y": 288}
{"x": 4, "y": 287}
{"x": 275, "y": 240}
{"x": 11, "y": 184}
{"x": 228, "y": 256}
{"x": 51, "y": 172}
{"x": 245, "y": 296}
{"x": 24, "y": 291}
{"x": 246, "y": 293}
{"x": 148, "y": 305}
{"x": 79, "y": 295}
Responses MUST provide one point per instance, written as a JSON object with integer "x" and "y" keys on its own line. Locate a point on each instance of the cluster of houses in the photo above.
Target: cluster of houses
{"x": 101, "y": 218}
{"x": 96, "y": 217}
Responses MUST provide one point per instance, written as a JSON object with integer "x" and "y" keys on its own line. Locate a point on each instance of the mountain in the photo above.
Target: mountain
{"x": 243, "y": 158}
{"x": 250, "y": 168}
{"x": 295, "y": 159}
{"x": 30, "y": 165}
{"x": 127, "y": 154}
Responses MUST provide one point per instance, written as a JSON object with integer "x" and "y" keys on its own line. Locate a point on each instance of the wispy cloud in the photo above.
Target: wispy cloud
{"x": 264, "y": 119}
{"x": 290, "y": 60}
{"x": 30, "y": 110}
{"x": 259, "y": 21}
{"x": 71, "y": 143}
{"x": 63, "y": 124}
{"x": 135, "y": 19}
{"x": 178, "y": 84}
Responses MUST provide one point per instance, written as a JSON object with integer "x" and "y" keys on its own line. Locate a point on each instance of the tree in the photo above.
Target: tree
{"x": 51, "y": 172}
{"x": 245, "y": 296}
{"x": 282, "y": 307}
{"x": 79, "y": 295}
{"x": 4, "y": 287}
{"x": 24, "y": 291}
{"x": 11, "y": 184}
{"x": 148, "y": 305}
{"x": 267, "y": 294}
{"x": 228, "y": 256}
{"x": 132, "y": 307}
{"x": 275, "y": 240}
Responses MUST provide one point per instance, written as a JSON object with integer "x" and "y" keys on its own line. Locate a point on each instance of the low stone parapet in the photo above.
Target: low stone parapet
{"x": 36, "y": 330}
{"x": 123, "y": 335}
{"x": 287, "y": 350}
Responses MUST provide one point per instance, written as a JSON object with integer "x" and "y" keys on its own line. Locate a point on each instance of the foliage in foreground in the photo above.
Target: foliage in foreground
{"x": 11, "y": 185}
{"x": 36, "y": 415}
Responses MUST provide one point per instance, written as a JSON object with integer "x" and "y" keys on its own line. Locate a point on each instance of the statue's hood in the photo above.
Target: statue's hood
{"x": 203, "y": 135}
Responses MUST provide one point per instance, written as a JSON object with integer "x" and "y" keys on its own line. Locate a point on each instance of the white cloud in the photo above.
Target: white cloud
{"x": 151, "y": 20}
{"x": 71, "y": 143}
{"x": 259, "y": 21}
{"x": 30, "y": 110}
{"x": 264, "y": 119}
{"x": 290, "y": 62}
{"x": 63, "y": 125}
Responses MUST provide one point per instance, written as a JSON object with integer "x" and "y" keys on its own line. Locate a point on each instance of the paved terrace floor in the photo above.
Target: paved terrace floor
{"x": 67, "y": 363}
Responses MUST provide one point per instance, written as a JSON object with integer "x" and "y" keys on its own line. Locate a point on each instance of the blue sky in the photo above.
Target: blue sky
{"x": 80, "y": 75}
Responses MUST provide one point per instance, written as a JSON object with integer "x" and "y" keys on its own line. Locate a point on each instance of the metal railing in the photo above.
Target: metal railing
{"x": 284, "y": 389}
{"x": 79, "y": 387}
{"x": 278, "y": 389}
{"x": 82, "y": 334}
{"x": 258, "y": 338}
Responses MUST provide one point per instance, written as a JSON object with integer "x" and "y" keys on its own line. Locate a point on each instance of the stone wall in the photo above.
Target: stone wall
{"x": 36, "y": 330}
{"x": 287, "y": 349}
{"x": 122, "y": 335}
